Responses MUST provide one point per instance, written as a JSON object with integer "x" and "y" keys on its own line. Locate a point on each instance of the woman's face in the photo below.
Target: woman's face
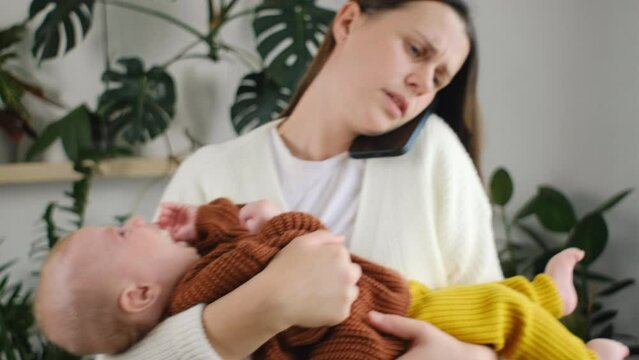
{"x": 393, "y": 63}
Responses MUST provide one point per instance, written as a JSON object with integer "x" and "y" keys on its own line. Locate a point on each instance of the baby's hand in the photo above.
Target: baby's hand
{"x": 179, "y": 220}
{"x": 255, "y": 214}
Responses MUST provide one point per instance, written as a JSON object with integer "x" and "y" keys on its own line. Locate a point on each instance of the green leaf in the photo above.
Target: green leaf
{"x": 80, "y": 196}
{"x": 616, "y": 287}
{"x": 603, "y": 317}
{"x": 16, "y": 320}
{"x": 612, "y": 201}
{"x": 529, "y": 208}
{"x": 595, "y": 276}
{"x": 258, "y": 100}
{"x": 52, "y": 235}
{"x": 590, "y": 235}
{"x": 292, "y": 26}
{"x": 554, "y": 211}
{"x": 596, "y": 307}
{"x": 11, "y": 36}
{"x": 142, "y": 106}
{"x": 11, "y": 95}
{"x": 74, "y": 129}
{"x": 58, "y": 24}
{"x": 501, "y": 187}
{"x": 606, "y": 332}
{"x": 509, "y": 268}
{"x": 578, "y": 324}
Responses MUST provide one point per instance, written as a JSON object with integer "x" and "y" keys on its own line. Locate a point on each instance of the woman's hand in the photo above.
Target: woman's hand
{"x": 311, "y": 282}
{"x": 314, "y": 281}
{"x": 428, "y": 341}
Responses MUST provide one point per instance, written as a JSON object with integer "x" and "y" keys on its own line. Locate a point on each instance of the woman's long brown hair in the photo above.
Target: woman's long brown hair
{"x": 458, "y": 104}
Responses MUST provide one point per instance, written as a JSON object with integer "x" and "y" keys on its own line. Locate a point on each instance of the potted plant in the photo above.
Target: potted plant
{"x": 547, "y": 224}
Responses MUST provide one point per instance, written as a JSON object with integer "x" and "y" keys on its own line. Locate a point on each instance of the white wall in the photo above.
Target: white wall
{"x": 559, "y": 87}
{"x": 559, "y": 84}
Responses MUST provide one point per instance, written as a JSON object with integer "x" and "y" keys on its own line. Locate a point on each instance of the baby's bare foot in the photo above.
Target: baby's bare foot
{"x": 608, "y": 349}
{"x": 560, "y": 268}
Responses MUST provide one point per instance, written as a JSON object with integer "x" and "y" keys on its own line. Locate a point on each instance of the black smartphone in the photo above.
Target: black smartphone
{"x": 394, "y": 143}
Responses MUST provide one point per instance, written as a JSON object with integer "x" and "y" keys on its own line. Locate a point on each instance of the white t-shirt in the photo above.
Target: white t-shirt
{"x": 328, "y": 189}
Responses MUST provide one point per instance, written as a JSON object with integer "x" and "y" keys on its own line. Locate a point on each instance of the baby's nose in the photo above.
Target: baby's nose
{"x": 136, "y": 221}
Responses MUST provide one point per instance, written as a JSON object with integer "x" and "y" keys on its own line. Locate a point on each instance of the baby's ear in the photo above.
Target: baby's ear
{"x": 139, "y": 297}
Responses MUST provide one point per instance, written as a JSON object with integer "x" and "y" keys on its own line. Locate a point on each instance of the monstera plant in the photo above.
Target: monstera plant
{"x": 15, "y": 119}
{"x": 138, "y": 101}
{"x": 548, "y": 223}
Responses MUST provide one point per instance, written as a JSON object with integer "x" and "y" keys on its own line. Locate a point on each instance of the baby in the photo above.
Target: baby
{"x": 131, "y": 275}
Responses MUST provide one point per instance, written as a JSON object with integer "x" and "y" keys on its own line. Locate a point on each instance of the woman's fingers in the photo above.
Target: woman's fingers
{"x": 400, "y": 326}
{"x": 428, "y": 341}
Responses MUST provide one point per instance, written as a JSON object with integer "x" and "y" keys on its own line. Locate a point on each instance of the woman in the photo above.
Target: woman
{"x": 424, "y": 213}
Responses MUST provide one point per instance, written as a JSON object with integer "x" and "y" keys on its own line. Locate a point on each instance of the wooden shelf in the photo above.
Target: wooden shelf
{"x": 116, "y": 168}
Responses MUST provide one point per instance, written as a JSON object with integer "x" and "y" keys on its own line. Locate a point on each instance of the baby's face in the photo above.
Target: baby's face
{"x": 141, "y": 248}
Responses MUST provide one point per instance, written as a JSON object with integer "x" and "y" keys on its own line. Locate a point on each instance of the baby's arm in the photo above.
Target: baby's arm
{"x": 203, "y": 227}
{"x": 255, "y": 214}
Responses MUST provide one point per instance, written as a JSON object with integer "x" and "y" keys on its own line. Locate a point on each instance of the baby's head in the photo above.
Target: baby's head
{"x": 102, "y": 288}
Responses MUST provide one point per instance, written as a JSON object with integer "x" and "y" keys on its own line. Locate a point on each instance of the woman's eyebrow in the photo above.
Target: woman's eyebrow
{"x": 432, "y": 47}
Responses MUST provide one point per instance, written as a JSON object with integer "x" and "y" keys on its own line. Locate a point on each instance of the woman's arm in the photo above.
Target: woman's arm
{"x": 179, "y": 337}
{"x": 239, "y": 323}
{"x": 324, "y": 280}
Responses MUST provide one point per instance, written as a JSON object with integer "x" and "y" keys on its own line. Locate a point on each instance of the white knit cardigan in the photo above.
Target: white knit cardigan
{"x": 424, "y": 214}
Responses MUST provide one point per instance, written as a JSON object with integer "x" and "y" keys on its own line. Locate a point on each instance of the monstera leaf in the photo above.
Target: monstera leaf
{"x": 49, "y": 34}
{"x": 292, "y": 26}
{"x": 9, "y": 37}
{"x": 143, "y": 104}
{"x": 258, "y": 100}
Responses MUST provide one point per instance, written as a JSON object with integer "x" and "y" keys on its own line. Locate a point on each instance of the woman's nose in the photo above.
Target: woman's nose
{"x": 421, "y": 79}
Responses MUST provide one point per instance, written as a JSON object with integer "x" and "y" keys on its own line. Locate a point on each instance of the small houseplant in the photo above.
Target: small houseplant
{"x": 528, "y": 245}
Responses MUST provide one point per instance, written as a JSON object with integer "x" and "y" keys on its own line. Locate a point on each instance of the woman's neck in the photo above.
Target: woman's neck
{"x": 314, "y": 130}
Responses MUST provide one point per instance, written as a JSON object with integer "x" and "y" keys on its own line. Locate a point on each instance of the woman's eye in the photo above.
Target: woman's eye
{"x": 414, "y": 50}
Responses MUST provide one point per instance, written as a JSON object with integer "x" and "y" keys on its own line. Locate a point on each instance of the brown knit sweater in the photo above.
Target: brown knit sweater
{"x": 231, "y": 256}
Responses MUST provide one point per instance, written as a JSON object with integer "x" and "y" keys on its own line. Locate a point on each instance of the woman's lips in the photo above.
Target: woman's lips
{"x": 394, "y": 104}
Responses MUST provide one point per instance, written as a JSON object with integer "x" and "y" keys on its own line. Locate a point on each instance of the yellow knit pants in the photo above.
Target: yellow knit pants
{"x": 517, "y": 317}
